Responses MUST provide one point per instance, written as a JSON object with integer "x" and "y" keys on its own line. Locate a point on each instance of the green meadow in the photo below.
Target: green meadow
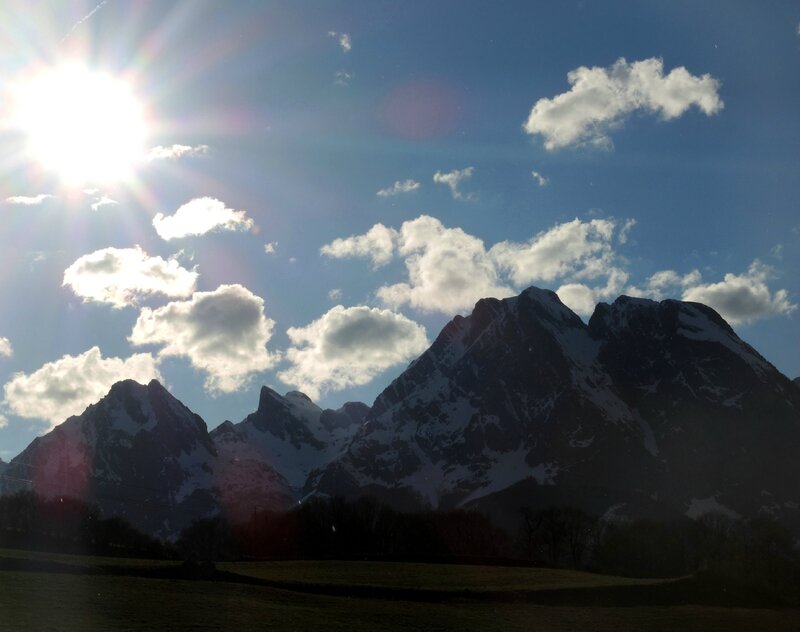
{"x": 40, "y": 591}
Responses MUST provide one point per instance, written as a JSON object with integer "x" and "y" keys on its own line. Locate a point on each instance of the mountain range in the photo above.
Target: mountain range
{"x": 651, "y": 409}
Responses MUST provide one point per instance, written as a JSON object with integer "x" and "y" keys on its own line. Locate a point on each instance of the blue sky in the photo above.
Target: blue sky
{"x": 598, "y": 148}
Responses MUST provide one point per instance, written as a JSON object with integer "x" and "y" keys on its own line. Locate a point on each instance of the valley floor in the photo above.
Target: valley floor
{"x": 61, "y": 592}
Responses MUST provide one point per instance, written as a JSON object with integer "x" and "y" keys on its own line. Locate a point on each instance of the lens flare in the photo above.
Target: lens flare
{"x": 82, "y": 125}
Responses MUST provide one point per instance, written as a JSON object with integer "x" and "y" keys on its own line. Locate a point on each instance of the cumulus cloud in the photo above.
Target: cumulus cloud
{"x": 565, "y": 249}
{"x": 404, "y": 186}
{"x": 448, "y": 269}
{"x": 541, "y": 180}
{"x": 6, "y": 350}
{"x": 68, "y": 385}
{"x": 28, "y": 200}
{"x": 269, "y": 248}
{"x": 582, "y": 298}
{"x": 743, "y": 298}
{"x": 121, "y": 276}
{"x": 345, "y": 43}
{"x": 377, "y": 244}
{"x": 198, "y": 217}
{"x": 173, "y": 152}
{"x": 453, "y": 179}
{"x": 223, "y": 333}
{"x": 601, "y": 98}
{"x": 349, "y": 347}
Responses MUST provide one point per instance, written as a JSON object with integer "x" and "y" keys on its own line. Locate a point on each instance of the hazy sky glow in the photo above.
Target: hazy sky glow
{"x": 224, "y": 195}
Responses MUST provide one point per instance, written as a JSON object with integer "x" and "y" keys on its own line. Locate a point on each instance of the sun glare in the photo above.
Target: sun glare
{"x": 84, "y": 126}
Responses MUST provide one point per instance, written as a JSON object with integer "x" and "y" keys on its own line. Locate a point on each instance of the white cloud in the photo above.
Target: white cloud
{"x": 173, "y": 152}
{"x": 566, "y": 249}
{"x": 68, "y": 385}
{"x": 377, "y": 244}
{"x": 103, "y": 201}
{"x": 345, "y": 43}
{"x": 335, "y": 294}
{"x": 198, "y": 217}
{"x": 582, "y": 299}
{"x": 121, "y": 276}
{"x": 3, "y": 422}
{"x": 343, "y": 77}
{"x": 26, "y": 200}
{"x": 349, "y": 347}
{"x": 404, "y": 186}
{"x": 601, "y": 98}
{"x": 541, "y": 180}
{"x": 270, "y": 247}
{"x": 743, "y": 298}
{"x": 6, "y": 350}
{"x": 453, "y": 179}
{"x": 223, "y": 333}
{"x": 448, "y": 269}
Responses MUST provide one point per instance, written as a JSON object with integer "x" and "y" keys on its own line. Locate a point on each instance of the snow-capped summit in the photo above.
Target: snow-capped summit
{"x": 651, "y": 403}
{"x": 138, "y": 453}
{"x": 288, "y": 434}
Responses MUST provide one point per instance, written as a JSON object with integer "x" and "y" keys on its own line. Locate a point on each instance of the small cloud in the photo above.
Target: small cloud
{"x": 173, "y": 152}
{"x": 777, "y": 251}
{"x": 349, "y": 347}
{"x": 6, "y": 350}
{"x": 453, "y": 179}
{"x": 198, "y": 217}
{"x": 600, "y": 99}
{"x": 26, "y": 200}
{"x": 3, "y": 424}
{"x": 121, "y": 276}
{"x": 292, "y": 259}
{"x": 404, "y": 186}
{"x": 377, "y": 244}
{"x": 103, "y": 201}
{"x": 343, "y": 77}
{"x": 541, "y": 180}
{"x": 270, "y": 247}
{"x": 68, "y": 385}
{"x": 345, "y": 43}
{"x": 335, "y": 294}
{"x": 223, "y": 333}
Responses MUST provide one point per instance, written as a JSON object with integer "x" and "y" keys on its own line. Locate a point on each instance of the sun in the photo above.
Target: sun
{"x": 84, "y": 126}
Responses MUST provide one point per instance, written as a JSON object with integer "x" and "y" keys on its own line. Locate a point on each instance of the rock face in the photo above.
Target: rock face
{"x": 658, "y": 408}
{"x": 287, "y": 434}
{"x": 652, "y": 409}
{"x": 138, "y": 453}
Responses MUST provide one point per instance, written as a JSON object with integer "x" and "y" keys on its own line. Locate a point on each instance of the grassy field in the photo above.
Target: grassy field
{"x": 84, "y": 594}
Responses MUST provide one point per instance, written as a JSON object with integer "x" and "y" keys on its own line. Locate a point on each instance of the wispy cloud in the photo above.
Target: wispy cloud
{"x": 28, "y": 200}
{"x": 103, "y": 201}
{"x": 453, "y": 179}
{"x": 541, "y": 180}
{"x": 6, "y": 350}
{"x": 600, "y": 99}
{"x": 404, "y": 186}
{"x": 343, "y": 77}
{"x": 173, "y": 152}
{"x": 345, "y": 43}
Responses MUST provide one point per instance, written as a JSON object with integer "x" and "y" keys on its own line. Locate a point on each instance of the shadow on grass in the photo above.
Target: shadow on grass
{"x": 700, "y": 589}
